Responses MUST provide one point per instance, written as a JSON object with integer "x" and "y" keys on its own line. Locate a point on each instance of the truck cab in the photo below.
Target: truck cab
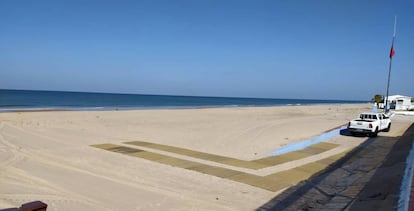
{"x": 370, "y": 123}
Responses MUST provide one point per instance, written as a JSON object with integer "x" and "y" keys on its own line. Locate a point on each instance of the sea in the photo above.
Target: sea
{"x": 21, "y": 100}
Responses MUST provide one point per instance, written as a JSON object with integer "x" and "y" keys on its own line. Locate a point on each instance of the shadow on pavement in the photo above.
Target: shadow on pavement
{"x": 345, "y": 132}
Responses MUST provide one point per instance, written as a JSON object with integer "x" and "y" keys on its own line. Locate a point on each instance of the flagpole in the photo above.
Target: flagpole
{"x": 392, "y": 52}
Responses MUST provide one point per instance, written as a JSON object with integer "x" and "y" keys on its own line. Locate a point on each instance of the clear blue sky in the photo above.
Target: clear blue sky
{"x": 273, "y": 49}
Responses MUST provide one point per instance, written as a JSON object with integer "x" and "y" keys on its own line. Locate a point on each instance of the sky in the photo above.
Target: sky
{"x": 301, "y": 49}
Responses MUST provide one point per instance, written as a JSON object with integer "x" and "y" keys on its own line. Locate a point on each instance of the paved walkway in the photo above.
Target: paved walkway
{"x": 411, "y": 203}
{"x": 367, "y": 178}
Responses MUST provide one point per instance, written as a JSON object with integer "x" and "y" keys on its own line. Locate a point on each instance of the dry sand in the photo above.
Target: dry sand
{"x": 47, "y": 155}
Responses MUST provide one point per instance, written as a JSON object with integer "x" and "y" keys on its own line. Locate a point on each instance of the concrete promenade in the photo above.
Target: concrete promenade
{"x": 367, "y": 178}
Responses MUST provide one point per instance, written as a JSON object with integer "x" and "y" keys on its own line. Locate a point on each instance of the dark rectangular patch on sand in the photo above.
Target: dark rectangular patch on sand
{"x": 275, "y": 160}
{"x": 272, "y": 182}
{"x": 125, "y": 150}
{"x": 255, "y": 164}
{"x": 260, "y": 182}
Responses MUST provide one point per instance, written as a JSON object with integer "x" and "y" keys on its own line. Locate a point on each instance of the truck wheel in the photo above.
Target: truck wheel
{"x": 375, "y": 134}
{"x": 388, "y": 128}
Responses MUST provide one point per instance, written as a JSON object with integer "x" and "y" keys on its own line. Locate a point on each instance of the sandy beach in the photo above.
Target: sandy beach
{"x": 62, "y": 157}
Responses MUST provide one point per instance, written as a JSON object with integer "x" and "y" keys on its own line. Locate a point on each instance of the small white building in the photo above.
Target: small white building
{"x": 400, "y": 102}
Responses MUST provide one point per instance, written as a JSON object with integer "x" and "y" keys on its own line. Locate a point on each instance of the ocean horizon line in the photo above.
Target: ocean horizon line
{"x": 177, "y": 95}
{"x": 35, "y": 100}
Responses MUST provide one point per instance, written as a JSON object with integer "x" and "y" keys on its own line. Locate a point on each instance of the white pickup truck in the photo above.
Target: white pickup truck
{"x": 370, "y": 123}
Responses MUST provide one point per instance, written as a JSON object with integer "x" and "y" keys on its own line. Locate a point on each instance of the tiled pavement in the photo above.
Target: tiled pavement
{"x": 411, "y": 202}
{"x": 367, "y": 178}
